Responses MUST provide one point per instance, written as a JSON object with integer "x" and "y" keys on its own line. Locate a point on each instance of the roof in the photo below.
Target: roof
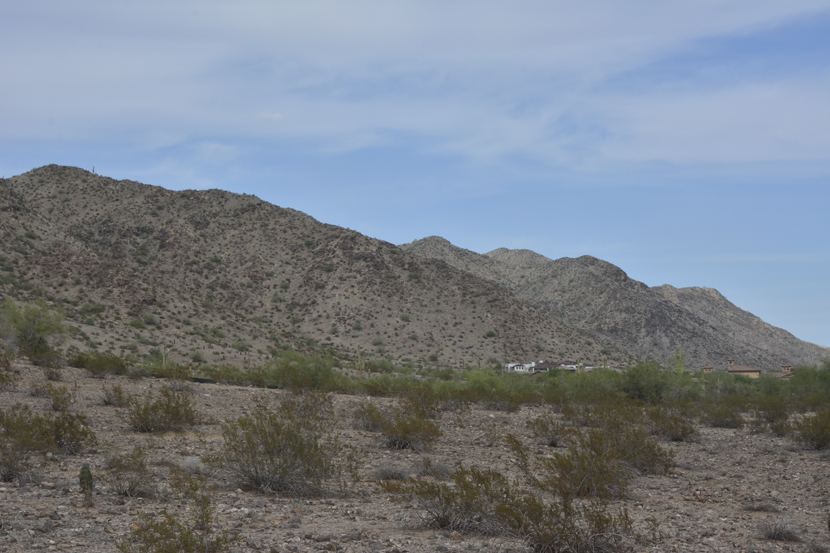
{"x": 744, "y": 369}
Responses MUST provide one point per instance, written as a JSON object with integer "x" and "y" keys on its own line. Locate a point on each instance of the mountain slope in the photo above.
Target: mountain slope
{"x": 227, "y": 276}
{"x": 648, "y": 323}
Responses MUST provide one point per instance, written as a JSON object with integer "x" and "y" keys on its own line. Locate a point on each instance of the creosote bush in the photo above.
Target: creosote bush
{"x": 99, "y": 364}
{"x": 779, "y": 530}
{"x": 115, "y": 396}
{"x": 813, "y": 430}
{"x": 168, "y": 533}
{"x": 368, "y": 417}
{"x": 287, "y": 450}
{"x": 548, "y": 430}
{"x": 484, "y": 502}
{"x": 60, "y": 397}
{"x": 402, "y": 429}
{"x": 23, "y": 432}
{"x": 129, "y": 474}
{"x": 169, "y": 411}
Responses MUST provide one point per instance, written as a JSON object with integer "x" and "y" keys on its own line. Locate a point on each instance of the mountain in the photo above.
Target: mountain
{"x": 230, "y": 278}
{"x": 648, "y": 323}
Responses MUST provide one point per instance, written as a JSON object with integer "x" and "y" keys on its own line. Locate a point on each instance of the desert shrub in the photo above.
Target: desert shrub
{"x": 8, "y": 379}
{"x": 420, "y": 399}
{"x": 70, "y": 432}
{"x": 470, "y": 503}
{"x": 425, "y": 466}
{"x": 779, "y": 530}
{"x": 591, "y": 467}
{"x": 23, "y": 431}
{"x": 453, "y": 397}
{"x": 6, "y": 357}
{"x": 314, "y": 409}
{"x": 60, "y": 398}
{"x": 499, "y": 392}
{"x": 99, "y": 364}
{"x": 53, "y": 372}
{"x": 814, "y": 430}
{"x": 671, "y": 424}
{"x": 115, "y": 396}
{"x": 484, "y": 502}
{"x": 167, "y": 533}
{"x": 402, "y": 429}
{"x": 645, "y": 382}
{"x": 584, "y": 386}
{"x": 390, "y": 473}
{"x": 567, "y": 527}
{"x": 17, "y": 439}
{"x": 723, "y": 416}
{"x": 170, "y": 411}
{"x": 33, "y": 328}
{"x": 368, "y": 417}
{"x": 129, "y": 474}
{"x": 600, "y": 460}
{"x": 770, "y": 412}
{"x": 277, "y": 451}
{"x": 548, "y": 429}
{"x": 295, "y": 372}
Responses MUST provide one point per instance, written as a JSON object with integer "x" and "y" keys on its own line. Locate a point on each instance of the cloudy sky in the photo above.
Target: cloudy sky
{"x": 686, "y": 142}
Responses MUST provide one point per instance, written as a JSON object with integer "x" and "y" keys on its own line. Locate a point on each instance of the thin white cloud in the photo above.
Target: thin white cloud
{"x": 481, "y": 80}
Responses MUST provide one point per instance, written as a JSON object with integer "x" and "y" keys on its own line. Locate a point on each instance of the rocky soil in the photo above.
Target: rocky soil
{"x": 726, "y": 484}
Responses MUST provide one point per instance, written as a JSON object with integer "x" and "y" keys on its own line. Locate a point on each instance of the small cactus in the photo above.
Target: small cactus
{"x": 86, "y": 484}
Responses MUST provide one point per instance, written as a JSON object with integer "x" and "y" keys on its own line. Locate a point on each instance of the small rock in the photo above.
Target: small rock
{"x": 48, "y": 485}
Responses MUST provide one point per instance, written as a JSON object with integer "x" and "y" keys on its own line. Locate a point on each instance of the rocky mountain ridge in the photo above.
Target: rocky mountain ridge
{"x": 228, "y": 278}
{"x": 648, "y": 323}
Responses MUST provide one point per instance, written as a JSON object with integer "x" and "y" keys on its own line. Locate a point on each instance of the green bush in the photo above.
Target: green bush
{"x": 548, "y": 429}
{"x": 601, "y": 459}
{"x": 814, "y": 430}
{"x": 470, "y": 503}
{"x": 279, "y": 451}
{"x": 293, "y": 371}
{"x": 99, "y": 364}
{"x": 60, "y": 397}
{"x": 129, "y": 474}
{"x": 32, "y": 328}
{"x": 170, "y": 411}
{"x": 671, "y": 423}
{"x": 23, "y": 432}
{"x": 402, "y": 429}
{"x": 170, "y": 533}
{"x": 8, "y": 379}
{"x": 567, "y": 527}
{"x": 70, "y": 432}
{"x": 115, "y": 396}
{"x": 723, "y": 416}
{"x": 645, "y": 382}
{"x": 484, "y": 502}
{"x": 368, "y": 417}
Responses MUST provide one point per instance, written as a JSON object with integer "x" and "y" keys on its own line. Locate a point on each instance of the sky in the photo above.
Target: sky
{"x": 688, "y": 143}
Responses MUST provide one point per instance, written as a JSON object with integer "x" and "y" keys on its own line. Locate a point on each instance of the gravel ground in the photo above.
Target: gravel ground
{"x": 727, "y": 483}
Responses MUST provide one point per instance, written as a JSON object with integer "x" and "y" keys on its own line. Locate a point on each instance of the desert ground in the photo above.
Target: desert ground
{"x": 725, "y": 485}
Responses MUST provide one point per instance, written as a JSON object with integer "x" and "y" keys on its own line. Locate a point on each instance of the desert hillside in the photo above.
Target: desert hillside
{"x": 228, "y": 278}
{"x": 648, "y": 323}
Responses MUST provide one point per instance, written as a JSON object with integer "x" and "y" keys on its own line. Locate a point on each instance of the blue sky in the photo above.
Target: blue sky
{"x": 686, "y": 142}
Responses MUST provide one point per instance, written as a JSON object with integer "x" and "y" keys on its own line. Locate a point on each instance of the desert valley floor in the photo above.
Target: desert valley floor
{"x": 726, "y": 483}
